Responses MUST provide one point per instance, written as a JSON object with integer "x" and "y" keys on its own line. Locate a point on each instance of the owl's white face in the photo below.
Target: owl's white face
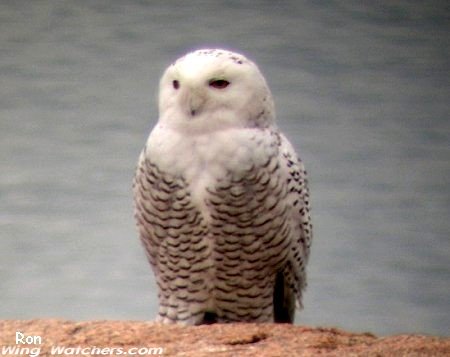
{"x": 215, "y": 89}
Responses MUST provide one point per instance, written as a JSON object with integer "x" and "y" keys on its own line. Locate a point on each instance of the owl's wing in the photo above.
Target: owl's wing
{"x": 145, "y": 200}
{"x": 292, "y": 280}
{"x": 166, "y": 217}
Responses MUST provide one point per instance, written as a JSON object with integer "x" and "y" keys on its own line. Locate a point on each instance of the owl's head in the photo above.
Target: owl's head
{"x": 214, "y": 89}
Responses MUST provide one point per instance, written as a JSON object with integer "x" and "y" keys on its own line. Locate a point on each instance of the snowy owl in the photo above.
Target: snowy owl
{"x": 221, "y": 198}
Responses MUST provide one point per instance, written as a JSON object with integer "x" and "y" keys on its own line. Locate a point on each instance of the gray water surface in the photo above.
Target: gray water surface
{"x": 361, "y": 89}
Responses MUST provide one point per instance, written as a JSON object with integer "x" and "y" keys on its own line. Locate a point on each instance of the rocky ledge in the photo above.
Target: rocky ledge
{"x": 96, "y": 338}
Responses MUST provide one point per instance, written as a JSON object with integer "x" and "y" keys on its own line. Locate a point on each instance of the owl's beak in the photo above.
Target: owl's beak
{"x": 195, "y": 102}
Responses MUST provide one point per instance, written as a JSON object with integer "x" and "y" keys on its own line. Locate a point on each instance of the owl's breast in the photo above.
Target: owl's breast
{"x": 203, "y": 160}
{"x": 211, "y": 154}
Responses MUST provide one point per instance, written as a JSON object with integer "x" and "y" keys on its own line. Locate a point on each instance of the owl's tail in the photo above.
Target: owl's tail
{"x": 283, "y": 301}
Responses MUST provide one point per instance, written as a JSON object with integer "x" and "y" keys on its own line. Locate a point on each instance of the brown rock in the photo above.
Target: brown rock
{"x": 98, "y": 338}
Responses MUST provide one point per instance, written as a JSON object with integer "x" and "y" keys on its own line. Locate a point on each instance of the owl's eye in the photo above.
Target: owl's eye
{"x": 175, "y": 84}
{"x": 218, "y": 83}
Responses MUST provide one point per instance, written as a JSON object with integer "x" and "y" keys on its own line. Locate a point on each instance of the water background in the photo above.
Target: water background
{"x": 361, "y": 88}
